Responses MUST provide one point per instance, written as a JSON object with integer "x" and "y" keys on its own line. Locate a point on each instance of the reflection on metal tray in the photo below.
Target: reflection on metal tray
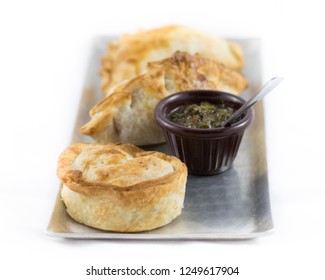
{"x": 231, "y": 205}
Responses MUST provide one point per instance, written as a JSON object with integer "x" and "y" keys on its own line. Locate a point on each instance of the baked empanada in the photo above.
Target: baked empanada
{"x": 121, "y": 187}
{"x": 128, "y": 57}
{"x": 126, "y": 115}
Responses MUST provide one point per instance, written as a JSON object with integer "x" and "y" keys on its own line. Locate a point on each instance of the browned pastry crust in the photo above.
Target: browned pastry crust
{"x": 128, "y": 57}
{"x": 121, "y": 187}
{"x": 126, "y": 114}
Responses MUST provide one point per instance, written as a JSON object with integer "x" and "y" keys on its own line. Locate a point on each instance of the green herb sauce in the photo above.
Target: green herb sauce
{"x": 203, "y": 115}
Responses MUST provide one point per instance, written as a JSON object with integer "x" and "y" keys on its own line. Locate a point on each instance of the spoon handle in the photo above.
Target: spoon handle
{"x": 269, "y": 86}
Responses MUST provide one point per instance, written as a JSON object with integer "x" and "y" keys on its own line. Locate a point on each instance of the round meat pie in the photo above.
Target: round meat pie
{"x": 119, "y": 187}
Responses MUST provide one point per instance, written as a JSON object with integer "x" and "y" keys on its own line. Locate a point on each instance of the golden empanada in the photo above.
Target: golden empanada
{"x": 128, "y": 56}
{"x": 126, "y": 114}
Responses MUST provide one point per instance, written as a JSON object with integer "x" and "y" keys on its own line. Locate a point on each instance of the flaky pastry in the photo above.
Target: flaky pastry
{"x": 119, "y": 187}
{"x": 126, "y": 114}
{"x": 128, "y": 57}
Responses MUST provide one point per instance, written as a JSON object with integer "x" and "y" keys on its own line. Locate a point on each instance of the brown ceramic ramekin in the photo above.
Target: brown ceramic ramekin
{"x": 205, "y": 151}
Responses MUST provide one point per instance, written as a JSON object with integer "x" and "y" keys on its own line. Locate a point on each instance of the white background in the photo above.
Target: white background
{"x": 43, "y": 58}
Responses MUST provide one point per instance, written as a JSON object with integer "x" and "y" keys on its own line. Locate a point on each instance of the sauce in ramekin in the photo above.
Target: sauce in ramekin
{"x": 202, "y": 115}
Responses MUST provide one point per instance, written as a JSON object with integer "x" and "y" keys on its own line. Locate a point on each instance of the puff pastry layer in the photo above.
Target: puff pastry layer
{"x": 121, "y": 187}
{"x": 126, "y": 114}
{"x": 128, "y": 57}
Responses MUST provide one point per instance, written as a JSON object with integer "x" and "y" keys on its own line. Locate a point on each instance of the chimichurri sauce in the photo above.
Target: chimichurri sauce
{"x": 203, "y": 115}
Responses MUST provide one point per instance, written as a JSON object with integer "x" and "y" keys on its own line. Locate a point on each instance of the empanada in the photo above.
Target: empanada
{"x": 121, "y": 187}
{"x": 126, "y": 115}
{"x": 128, "y": 57}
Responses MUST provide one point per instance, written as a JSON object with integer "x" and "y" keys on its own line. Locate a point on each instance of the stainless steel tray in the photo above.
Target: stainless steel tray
{"x": 231, "y": 205}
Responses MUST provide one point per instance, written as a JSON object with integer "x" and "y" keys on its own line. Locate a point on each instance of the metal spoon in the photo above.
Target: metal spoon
{"x": 269, "y": 86}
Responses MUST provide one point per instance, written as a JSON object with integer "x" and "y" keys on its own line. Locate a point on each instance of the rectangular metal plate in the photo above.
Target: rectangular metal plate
{"x": 231, "y": 205}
